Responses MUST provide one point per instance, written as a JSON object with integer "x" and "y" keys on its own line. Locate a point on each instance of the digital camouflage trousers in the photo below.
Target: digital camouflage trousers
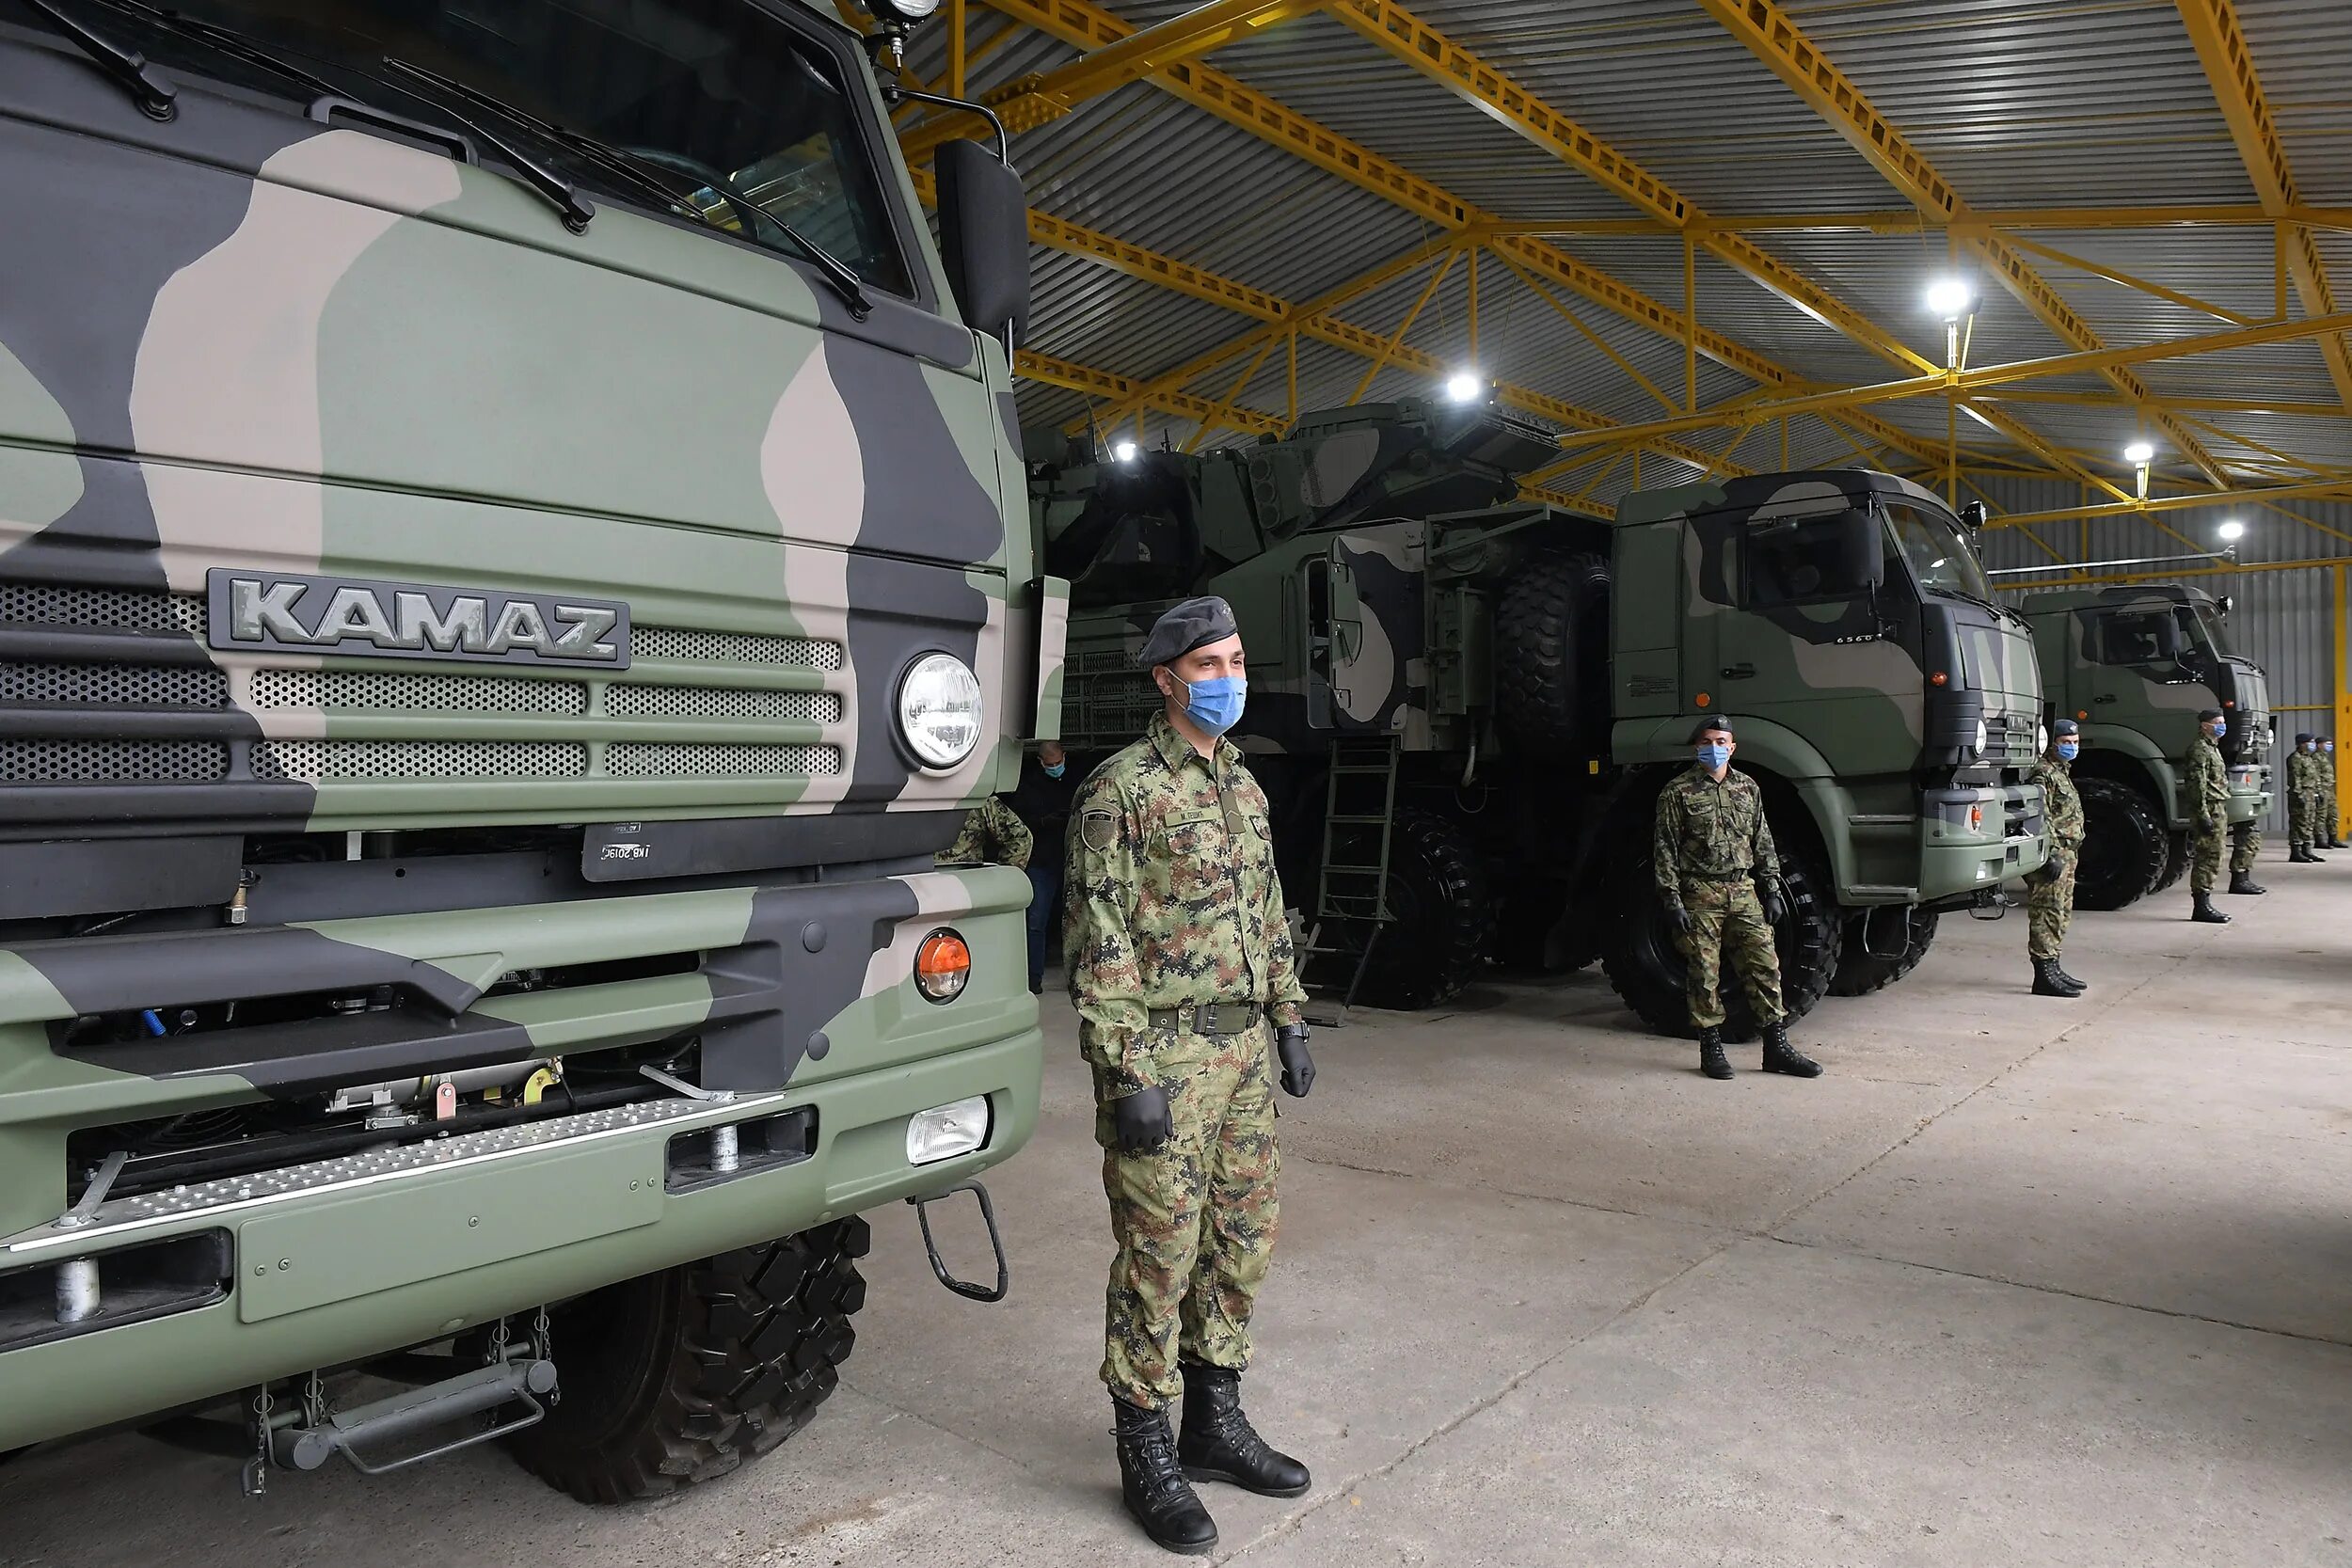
{"x": 2049, "y": 910}
{"x": 2246, "y": 846}
{"x": 1193, "y": 1220}
{"x": 2205, "y": 858}
{"x": 2304, "y": 828}
{"x": 1727, "y": 922}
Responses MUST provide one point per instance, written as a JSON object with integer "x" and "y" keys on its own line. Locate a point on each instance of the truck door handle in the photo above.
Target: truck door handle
{"x": 2108, "y": 698}
{"x": 1738, "y": 671}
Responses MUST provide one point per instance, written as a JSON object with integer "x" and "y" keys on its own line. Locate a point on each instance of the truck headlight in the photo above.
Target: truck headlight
{"x": 947, "y": 1131}
{"x": 2040, "y": 739}
{"x": 902, "y": 10}
{"x": 939, "y": 710}
{"x": 1982, "y": 736}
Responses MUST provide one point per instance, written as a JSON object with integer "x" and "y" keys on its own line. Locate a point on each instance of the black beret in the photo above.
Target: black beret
{"x": 1706, "y": 724}
{"x": 2209, "y": 715}
{"x": 2306, "y": 735}
{"x": 1194, "y": 624}
{"x": 2066, "y": 726}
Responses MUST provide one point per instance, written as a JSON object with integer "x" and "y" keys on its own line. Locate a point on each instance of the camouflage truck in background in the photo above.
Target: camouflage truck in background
{"x": 1538, "y": 671}
{"x": 513, "y": 562}
{"x": 2134, "y": 665}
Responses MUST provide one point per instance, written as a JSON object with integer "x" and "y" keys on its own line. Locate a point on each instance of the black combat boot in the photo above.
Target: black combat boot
{"x": 1780, "y": 1056}
{"x": 2299, "y": 855}
{"x": 2205, "y": 913}
{"x": 2243, "y": 881}
{"x": 2047, "y": 981}
{"x": 1217, "y": 1443}
{"x": 1163, "y": 1502}
{"x": 2077, "y": 987}
{"x": 1712, "y": 1061}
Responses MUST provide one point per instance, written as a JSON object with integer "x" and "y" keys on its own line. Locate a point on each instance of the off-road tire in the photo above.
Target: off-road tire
{"x": 1444, "y": 918}
{"x": 1645, "y": 968}
{"x": 679, "y": 1377}
{"x": 1860, "y": 972}
{"x": 1551, "y": 652}
{"x": 2175, "y": 863}
{"x": 2125, "y": 846}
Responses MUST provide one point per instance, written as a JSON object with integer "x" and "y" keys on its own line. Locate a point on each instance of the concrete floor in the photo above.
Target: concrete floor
{"x": 2020, "y": 1281}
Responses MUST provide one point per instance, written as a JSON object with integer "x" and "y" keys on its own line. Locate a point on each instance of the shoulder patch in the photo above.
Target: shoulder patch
{"x": 1097, "y": 830}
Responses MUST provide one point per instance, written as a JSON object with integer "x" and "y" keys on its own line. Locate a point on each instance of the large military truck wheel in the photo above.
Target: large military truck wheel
{"x": 679, "y": 1377}
{"x": 2125, "y": 846}
{"x": 1645, "y": 967}
{"x": 1551, "y": 652}
{"x": 2175, "y": 863}
{"x": 1444, "y": 919}
{"x": 1860, "y": 971}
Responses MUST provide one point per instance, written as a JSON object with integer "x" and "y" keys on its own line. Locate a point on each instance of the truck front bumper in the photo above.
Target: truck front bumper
{"x": 1971, "y": 840}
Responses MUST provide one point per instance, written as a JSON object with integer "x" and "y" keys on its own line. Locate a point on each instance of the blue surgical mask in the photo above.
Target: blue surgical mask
{"x": 2067, "y": 750}
{"x": 2219, "y": 729}
{"x": 1712, "y": 757}
{"x": 1054, "y": 769}
{"x": 1215, "y": 703}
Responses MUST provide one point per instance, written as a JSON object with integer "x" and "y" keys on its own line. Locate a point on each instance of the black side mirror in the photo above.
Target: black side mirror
{"x": 1862, "y": 558}
{"x": 1973, "y": 516}
{"x": 984, "y": 235}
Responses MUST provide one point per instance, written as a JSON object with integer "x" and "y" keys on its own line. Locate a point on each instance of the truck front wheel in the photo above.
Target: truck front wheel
{"x": 1860, "y": 971}
{"x": 2124, "y": 848}
{"x": 1646, "y": 968}
{"x": 678, "y": 1377}
{"x": 2175, "y": 863}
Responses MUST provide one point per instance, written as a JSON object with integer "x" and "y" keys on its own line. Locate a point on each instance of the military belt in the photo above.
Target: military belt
{"x": 1717, "y": 876}
{"x": 1219, "y": 1018}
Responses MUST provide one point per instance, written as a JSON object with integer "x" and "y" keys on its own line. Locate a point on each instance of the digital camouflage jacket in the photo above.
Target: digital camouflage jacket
{"x": 992, "y": 835}
{"x": 1706, "y": 828}
{"x": 1173, "y": 899}
{"x": 2061, "y": 802}
{"x": 2208, "y": 781}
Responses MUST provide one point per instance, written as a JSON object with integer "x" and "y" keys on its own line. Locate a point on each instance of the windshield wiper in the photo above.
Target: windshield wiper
{"x": 328, "y": 98}
{"x": 645, "y": 174}
{"x": 126, "y": 65}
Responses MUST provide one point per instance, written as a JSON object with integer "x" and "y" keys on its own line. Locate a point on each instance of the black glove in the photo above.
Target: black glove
{"x": 1775, "y": 904}
{"x": 1681, "y": 916}
{"x": 1139, "y": 1121}
{"x": 1298, "y": 1069}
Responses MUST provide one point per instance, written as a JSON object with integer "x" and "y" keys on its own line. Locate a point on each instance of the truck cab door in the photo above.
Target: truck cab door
{"x": 1335, "y": 635}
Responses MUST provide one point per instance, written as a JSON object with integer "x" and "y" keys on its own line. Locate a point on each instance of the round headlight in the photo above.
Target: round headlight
{"x": 939, "y": 710}
{"x": 2041, "y": 737}
{"x": 1982, "y": 737}
{"x": 902, "y": 10}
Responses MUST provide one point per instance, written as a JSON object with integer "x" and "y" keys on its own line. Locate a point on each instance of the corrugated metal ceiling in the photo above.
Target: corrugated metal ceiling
{"x": 2019, "y": 103}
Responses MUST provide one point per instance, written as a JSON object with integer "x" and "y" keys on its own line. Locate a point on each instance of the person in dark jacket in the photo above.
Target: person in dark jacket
{"x": 1041, "y": 801}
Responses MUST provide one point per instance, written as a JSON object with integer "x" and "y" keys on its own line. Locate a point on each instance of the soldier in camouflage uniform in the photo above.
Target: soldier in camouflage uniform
{"x": 2330, "y": 820}
{"x": 2050, "y": 892}
{"x": 1181, "y": 966}
{"x": 2208, "y": 790}
{"x": 991, "y": 835}
{"x": 1719, "y": 876}
{"x": 2303, "y": 799}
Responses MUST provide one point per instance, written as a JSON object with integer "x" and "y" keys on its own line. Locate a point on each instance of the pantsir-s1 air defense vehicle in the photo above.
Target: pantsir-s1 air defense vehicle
{"x": 2134, "y": 666}
{"x": 513, "y": 559}
{"x": 1464, "y": 705}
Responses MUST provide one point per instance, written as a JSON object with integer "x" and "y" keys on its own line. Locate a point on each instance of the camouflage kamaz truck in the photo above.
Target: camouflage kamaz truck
{"x": 1463, "y": 704}
{"x": 2134, "y": 665}
{"x": 514, "y": 560}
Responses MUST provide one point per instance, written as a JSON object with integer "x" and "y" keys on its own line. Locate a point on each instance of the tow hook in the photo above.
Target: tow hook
{"x": 1992, "y": 898}
{"x": 939, "y": 1266}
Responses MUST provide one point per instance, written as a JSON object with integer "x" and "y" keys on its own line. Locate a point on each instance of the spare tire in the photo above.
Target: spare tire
{"x": 2125, "y": 846}
{"x": 1645, "y": 967}
{"x": 1551, "y": 652}
{"x": 1860, "y": 971}
{"x": 1442, "y": 924}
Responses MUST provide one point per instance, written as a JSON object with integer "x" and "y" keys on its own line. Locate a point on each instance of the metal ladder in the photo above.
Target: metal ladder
{"x": 1351, "y": 887}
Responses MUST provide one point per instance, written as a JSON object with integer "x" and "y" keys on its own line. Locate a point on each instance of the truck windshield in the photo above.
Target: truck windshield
{"x": 1941, "y": 556}
{"x": 2202, "y": 624}
{"x": 723, "y": 104}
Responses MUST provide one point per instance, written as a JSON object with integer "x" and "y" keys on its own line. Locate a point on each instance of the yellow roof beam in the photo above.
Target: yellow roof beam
{"x": 2175, "y": 503}
{"x": 1103, "y": 384}
{"x": 1910, "y": 220}
{"x": 1408, "y": 39}
{"x": 1775, "y": 39}
{"x": 1036, "y": 100}
{"x": 1088, "y": 26}
{"x": 2212, "y": 27}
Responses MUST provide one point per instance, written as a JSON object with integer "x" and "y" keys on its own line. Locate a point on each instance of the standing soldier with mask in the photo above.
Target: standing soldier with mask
{"x": 1720, "y": 878}
{"x": 2050, "y": 892}
{"x": 2208, "y": 790}
{"x": 1181, "y": 966}
{"x": 2330, "y": 820}
{"x": 2303, "y": 799}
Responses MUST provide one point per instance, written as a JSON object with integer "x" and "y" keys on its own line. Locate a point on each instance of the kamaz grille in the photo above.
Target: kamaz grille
{"x": 694, "y": 704}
